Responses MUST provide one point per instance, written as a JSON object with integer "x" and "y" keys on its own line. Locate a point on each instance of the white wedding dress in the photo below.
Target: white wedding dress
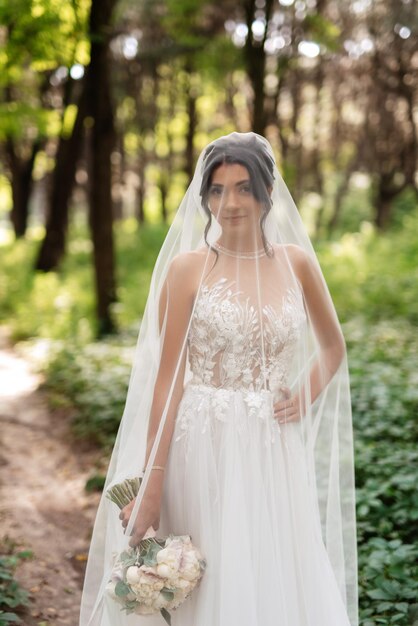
{"x": 238, "y": 483}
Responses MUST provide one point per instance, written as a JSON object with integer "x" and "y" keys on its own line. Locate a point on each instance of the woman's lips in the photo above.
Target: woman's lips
{"x": 234, "y": 218}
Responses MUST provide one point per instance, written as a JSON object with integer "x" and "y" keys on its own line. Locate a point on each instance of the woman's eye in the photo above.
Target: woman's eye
{"x": 246, "y": 189}
{"x": 215, "y": 191}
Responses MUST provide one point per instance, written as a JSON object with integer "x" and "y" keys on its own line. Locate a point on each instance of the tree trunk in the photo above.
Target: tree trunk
{"x": 191, "y": 130}
{"x": 21, "y": 181}
{"x": 255, "y": 61}
{"x": 140, "y": 192}
{"x": 140, "y": 195}
{"x": 383, "y": 210}
{"x": 53, "y": 245}
{"x": 383, "y": 203}
{"x": 163, "y": 192}
{"x": 102, "y": 139}
{"x": 341, "y": 193}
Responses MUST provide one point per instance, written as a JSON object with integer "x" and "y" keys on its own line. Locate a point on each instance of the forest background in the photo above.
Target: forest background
{"x": 104, "y": 107}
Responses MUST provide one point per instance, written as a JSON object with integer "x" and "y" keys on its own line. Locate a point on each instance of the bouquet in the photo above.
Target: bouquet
{"x": 159, "y": 573}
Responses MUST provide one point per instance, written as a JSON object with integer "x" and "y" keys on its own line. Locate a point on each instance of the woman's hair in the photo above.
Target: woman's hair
{"x": 251, "y": 152}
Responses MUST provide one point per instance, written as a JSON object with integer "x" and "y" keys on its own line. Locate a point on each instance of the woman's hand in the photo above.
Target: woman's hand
{"x": 148, "y": 514}
{"x": 289, "y": 409}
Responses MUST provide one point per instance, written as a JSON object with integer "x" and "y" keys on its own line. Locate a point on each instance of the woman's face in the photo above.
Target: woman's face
{"x": 231, "y": 199}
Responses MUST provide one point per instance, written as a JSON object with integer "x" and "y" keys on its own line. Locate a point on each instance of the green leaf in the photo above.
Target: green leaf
{"x": 95, "y": 483}
{"x": 9, "y": 618}
{"x": 379, "y": 594}
{"x": 150, "y": 553}
{"x": 122, "y": 589}
{"x": 167, "y": 593}
{"x": 166, "y": 615}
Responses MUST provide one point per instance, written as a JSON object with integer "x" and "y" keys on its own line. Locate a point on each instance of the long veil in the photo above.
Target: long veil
{"x": 312, "y": 369}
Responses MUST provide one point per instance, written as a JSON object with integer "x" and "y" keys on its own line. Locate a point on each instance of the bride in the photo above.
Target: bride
{"x": 238, "y": 412}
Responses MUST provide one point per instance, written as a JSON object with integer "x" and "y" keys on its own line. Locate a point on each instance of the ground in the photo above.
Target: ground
{"x": 43, "y": 504}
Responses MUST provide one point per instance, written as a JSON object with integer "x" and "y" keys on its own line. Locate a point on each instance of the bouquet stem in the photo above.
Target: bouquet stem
{"x": 123, "y": 493}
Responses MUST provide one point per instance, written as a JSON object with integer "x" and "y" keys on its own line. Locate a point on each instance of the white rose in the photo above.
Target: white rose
{"x": 169, "y": 559}
{"x": 171, "y": 553}
{"x": 190, "y": 567}
{"x": 182, "y": 584}
{"x": 162, "y": 555}
{"x": 149, "y": 584}
{"x": 191, "y": 573}
{"x": 132, "y": 575}
{"x": 164, "y": 570}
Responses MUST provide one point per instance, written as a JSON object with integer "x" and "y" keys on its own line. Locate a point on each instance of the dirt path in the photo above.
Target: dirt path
{"x": 43, "y": 505}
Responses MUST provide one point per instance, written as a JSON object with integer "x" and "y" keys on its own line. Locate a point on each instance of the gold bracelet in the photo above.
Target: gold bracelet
{"x": 158, "y": 467}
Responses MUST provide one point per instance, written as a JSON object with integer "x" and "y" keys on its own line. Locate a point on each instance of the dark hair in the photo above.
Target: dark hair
{"x": 247, "y": 150}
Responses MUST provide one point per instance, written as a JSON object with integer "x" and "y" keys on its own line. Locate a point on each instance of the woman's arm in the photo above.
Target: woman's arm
{"x": 175, "y": 307}
{"x": 327, "y": 332}
{"x": 176, "y": 303}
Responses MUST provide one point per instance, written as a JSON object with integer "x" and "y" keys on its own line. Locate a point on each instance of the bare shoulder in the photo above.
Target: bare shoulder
{"x": 300, "y": 260}
{"x": 187, "y": 261}
{"x": 296, "y": 254}
{"x": 186, "y": 268}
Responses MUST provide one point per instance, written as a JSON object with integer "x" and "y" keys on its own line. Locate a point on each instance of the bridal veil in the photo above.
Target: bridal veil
{"x": 263, "y": 280}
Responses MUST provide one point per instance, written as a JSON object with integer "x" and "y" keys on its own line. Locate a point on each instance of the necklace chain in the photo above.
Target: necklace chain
{"x": 240, "y": 255}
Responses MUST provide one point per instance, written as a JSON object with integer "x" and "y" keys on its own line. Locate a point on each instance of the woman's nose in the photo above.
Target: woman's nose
{"x": 231, "y": 200}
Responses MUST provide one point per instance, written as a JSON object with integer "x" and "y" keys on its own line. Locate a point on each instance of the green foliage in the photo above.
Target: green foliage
{"x": 95, "y": 483}
{"x": 32, "y": 29}
{"x": 184, "y": 21}
{"x": 17, "y": 117}
{"x": 60, "y": 304}
{"x": 389, "y": 576}
{"x": 385, "y": 404}
{"x": 323, "y": 30}
{"x": 372, "y": 274}
{"x": 12, "y": 596}
{"x": 37, "y": 38}
{"x": 92, "y": 379}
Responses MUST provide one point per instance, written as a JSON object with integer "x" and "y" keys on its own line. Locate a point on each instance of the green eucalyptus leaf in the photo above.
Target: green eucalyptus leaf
{"x": 166, "y": 615}
{"x": 167, "y": 593}
{"x": 122, "y": 589}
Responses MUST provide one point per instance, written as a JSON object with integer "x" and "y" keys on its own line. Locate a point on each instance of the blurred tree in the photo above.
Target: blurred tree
{"x": 101, "y": 135}
{"x": 69, "y": 143}
{"x": 257, "y": 19}
{"x": 37, "y": 39}
{"x": 392, "y": 132}
{"x": 331, "y": 84}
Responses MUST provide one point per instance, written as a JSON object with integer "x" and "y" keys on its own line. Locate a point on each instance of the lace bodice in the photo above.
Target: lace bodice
{"x": 230, "y": 348}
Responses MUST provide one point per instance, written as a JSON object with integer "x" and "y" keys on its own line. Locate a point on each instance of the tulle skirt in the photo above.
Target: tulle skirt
{"x": 238, "y": 484}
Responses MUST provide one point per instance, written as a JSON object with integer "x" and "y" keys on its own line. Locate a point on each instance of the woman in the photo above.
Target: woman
{"x": 238, "y": 412}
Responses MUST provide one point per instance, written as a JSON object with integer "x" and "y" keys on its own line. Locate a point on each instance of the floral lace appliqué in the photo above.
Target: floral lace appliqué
{"x": 226, "y": 349}
{"x": 232, "y": 363}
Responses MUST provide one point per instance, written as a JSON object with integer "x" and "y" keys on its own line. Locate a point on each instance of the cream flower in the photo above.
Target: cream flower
{"x": 169, "y": 558}
{"x": 132, "y": 575}
{"x": 149, "y": 584}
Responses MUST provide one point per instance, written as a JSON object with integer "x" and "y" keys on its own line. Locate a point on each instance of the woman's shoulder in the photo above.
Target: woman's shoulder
{"x": 188, "y": 266}
{"x": 292, "y": 251}
{"x": 188, "y": 260}
{"x": 300, "y": 260}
